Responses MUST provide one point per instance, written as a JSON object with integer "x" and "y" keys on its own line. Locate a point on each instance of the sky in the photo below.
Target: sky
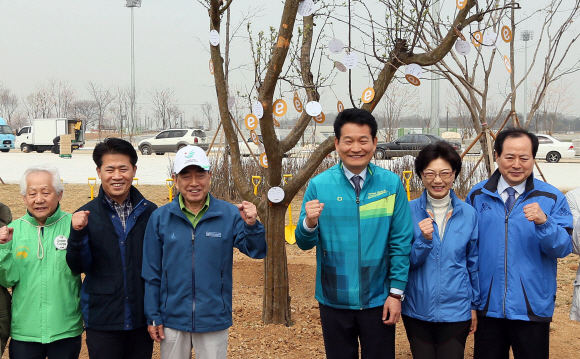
{"x": 78, "y": 41}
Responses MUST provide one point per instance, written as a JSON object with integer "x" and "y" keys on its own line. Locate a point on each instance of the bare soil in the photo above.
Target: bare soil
{"x": 250, "y": 338}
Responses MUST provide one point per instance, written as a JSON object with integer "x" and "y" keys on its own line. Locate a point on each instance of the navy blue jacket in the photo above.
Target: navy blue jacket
{"x": 443, "y": 281}
{"x": 111, "y": 258}
{"x": 185, "y": 266}
{"x": 517, "y": 258}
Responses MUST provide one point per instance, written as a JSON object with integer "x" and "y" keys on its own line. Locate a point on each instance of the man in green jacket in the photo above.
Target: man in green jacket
{"x": 5, "y": 297}
{"x": 46, "y": 313}
{"x": 358, "y": 217}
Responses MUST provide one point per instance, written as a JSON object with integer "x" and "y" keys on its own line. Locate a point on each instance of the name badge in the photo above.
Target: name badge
{"x": 213, "y": 234}
{"x": 61, "y": 242}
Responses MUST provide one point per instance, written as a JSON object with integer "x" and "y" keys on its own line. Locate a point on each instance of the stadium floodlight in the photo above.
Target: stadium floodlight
{"x": 133, "y": 3}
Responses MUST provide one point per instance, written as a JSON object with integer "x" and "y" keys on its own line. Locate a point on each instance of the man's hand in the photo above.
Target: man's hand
{"x": 426, "y": 227}
{"x": 6, "y": 234}
{"x": 156, "y": 332}
{"x": 80, "y": 220}
{"x": 473, "y": 326}
{"x": 392, "y": 310}
{"x": 248, "y": 212}
{"x": 534, "y": 213}
{"x": 313, "y": 210}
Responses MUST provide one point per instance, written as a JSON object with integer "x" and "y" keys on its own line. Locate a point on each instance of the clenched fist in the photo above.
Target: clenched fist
{"x": 313, "y": 210}
{"x": 248, "y": 212}
{"x": 6, "y": 234}
{"x": 426, "y": 227}
{"x": 80, "y": 220}
{"x": 534, "y": 213}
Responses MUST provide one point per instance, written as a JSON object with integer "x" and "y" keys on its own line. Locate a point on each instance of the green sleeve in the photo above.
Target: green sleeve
{"x": 306, "y": 239}
{"x": 400, "y": 238}
{"x": 9, "y": 274}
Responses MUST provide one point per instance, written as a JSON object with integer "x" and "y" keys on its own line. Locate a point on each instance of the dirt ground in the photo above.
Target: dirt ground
{"x": 250, "y": 338}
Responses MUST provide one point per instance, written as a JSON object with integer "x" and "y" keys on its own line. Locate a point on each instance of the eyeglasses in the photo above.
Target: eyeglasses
{"x": 442, "y": 175}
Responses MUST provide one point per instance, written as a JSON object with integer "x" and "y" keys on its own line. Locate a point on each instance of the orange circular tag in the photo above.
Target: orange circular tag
{"x": 320, "y": 118}
{"x": 413, "y": 80}
{"x": 264, "y": 160}
{"x": 254, "y": 137}
{"x": 506, "y": 34}
{"x": 211, "y": 66}
{"x": 368, "y": 95}
{"x": 251, "y": 122}
{"x": 279, "y": 108}
{"x": 297, "y": 103}
{"x": 340, "y": 107}
{"x": 477, "y": 39}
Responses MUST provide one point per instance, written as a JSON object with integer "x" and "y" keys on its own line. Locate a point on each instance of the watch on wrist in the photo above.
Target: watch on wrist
{"x": 400, "y": 297}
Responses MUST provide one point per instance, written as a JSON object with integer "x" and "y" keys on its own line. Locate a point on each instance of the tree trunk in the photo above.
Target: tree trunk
{"x": 276, "y": 298}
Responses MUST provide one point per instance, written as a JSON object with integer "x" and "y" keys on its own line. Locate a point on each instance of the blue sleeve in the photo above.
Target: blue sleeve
{"x": 152, "y": 270}
{"x": 420, "y": 250}
{"x": 250, "y": 240}
{"x": 400, "y": 237}
{"x": 555, "y": 235}
{"x": 306, "y": 239}
{"x": 473, "y": 264}
{"x": 78, "y": 252}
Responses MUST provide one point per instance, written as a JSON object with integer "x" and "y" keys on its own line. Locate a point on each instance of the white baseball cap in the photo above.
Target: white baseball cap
{"x": 190, "y": 156}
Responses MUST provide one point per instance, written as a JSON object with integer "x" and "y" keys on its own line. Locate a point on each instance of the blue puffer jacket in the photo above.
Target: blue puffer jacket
{"x": 443, "y": 281}
{"x": 517, "y": 258}
{"x": 183, "y": 266}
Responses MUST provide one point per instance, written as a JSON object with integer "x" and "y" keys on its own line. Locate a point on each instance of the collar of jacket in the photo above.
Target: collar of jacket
{"x": 492, "y": 182}
{"x": 455, "y": 201}
{"x": 370, "y": 169}
{"x": 136, "y": 196}
{"x": 212, "y": 211}
{"x": 56, "y": 216}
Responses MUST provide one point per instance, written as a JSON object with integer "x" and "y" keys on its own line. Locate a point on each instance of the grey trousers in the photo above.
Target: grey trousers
{"x": 178, "y": 344}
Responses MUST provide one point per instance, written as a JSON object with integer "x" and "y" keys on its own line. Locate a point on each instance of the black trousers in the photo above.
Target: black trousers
{"x": 430, "y": 340}
{"x": 68, "y": 348}
{"x": 119, "y": 344}
{"x": 528, "y": 340}
{"x": 343, "y": 328}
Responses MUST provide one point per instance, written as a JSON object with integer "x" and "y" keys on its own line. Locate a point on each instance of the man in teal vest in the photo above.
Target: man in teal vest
{"x": 46, "y": 313}
{"x": 358, "y": 217}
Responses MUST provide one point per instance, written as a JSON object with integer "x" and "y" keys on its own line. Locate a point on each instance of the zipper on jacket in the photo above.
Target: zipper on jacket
{"x": 359, "y": 255}
{"x": 507, "y": 214}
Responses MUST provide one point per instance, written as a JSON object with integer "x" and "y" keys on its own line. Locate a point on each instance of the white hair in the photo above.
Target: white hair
{"x": 53, "y": 171}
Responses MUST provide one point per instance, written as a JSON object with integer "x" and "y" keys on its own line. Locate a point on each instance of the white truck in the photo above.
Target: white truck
{"x": 44, "y": 134}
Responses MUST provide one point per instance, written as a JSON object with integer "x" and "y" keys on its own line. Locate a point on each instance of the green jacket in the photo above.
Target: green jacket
{"x": 45, "y": 301}
{"x": 362, "y": 249}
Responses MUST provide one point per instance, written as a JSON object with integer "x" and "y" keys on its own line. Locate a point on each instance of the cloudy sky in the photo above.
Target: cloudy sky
{"x": 89, "y": 40}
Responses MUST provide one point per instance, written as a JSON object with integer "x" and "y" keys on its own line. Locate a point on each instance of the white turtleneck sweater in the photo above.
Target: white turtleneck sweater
{"x": 440, "y": 207}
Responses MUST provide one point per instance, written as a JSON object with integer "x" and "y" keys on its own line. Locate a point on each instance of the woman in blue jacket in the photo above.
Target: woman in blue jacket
{"x": 443, "y": 288}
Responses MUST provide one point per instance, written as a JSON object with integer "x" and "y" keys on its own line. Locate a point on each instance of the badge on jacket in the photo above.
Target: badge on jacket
{"x": 61, "y": 242}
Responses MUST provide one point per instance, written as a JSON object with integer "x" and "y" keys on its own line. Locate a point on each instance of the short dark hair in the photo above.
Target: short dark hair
{"x": 515, "y": 132}
{"x": 439, "y": 149}
{"x": 355, "y": 115}
{"x": 114, "y": 146}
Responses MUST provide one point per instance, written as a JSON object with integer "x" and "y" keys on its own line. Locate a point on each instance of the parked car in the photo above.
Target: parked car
{"x": 410, "y": 144}
{"x": 173, "y": 140}
{"x": 552, "y": 149}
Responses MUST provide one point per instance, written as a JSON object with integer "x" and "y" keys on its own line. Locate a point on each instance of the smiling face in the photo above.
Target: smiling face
{"x": 356, "y": 146}
{"x": 41, "y": 198}
{"x": 516, "y": 162}
{"x": 116, "y": 174}
{"x": 438, "y": 178}
{"x": 193, "y": 184}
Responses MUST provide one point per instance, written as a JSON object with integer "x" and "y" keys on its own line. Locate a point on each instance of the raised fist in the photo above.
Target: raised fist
{"x": 248, "y": 212}
{"x": 426, "y": 227}
{"x": 313, "y": 210}
{"x": 80, "y": 220}
{"x": 6, "y": 234}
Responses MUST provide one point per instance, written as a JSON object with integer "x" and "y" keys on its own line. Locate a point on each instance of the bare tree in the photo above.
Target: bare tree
{"x": 103, "y": 99}
{"x": 63, "y": 97}
{"x": 8, "y": 104}
{"x": 558, "y": 49}
{"x": 164, "y": 106}
{"x": 86, "y": 110}
{"x": 39, "y": 104}
{"x": 399, "y": 101}
{"x": 207, "y": 113}
{"x": 269, "y": 69}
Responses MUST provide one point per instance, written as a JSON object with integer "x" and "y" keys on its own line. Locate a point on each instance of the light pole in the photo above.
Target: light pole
{"x": 525, "y": 36}
{"x": 133, "y": 4}
{"x": 435, "y": 80}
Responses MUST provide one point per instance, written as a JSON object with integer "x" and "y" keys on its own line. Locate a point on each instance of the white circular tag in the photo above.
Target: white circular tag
{"x": 335, "y": 46}
{"x": 276, "y": 194}
{"x": 350, "y": 61}
{"x": 258, "y": 110}
{"x": 306, "y": 7}
{"x": 462, "y": 47}
{"x": 313, "y": 108}
{"x": 490, "y": 40}
{"x": 61, "y": 242}
{"x": 214, "y": 37}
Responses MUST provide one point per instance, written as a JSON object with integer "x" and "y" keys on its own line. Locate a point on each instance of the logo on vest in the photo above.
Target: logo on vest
{"x": 21, "y": 252}
{"x": 376, "y": 194}
{"x": 485, "y": 207}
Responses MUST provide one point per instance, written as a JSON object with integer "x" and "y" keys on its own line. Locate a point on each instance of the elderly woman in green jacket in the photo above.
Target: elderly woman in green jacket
{"x": 46, "y": 314}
